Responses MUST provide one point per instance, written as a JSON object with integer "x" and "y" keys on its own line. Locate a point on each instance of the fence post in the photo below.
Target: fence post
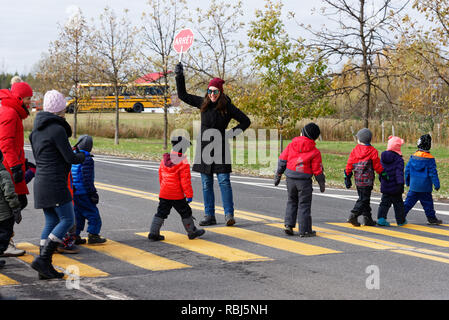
{"x": 392, "y": 130}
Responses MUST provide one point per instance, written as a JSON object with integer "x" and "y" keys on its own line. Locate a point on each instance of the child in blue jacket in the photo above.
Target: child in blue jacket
{"x": 421, "y": 175}
{"x": 85, "y": 196}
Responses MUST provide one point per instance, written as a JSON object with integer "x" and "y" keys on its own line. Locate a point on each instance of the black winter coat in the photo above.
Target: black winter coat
{"x": 218, "y": 159}
{"x": 54, "y": 158}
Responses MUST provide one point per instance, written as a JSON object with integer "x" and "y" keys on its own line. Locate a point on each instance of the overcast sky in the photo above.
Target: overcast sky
{"x": 28, "y": 26}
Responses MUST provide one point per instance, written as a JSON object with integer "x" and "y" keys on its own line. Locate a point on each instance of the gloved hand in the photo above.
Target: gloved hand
{"x": 94, "y": 198}
{"x": 17, "y": 173}
{"x": 277, "y": 179}
{"x": 384, "y": 175}
{"x": 17, "y": 215}
{"x": 348, "y": 182}
{"x": 436, "y": 189}
{"x": 179, "y": 69}
{"x": 189, "y": 200}
{"x": 30, "y": 171}
{"x": 80, "y": 155}
{"x": 321, "y": 179}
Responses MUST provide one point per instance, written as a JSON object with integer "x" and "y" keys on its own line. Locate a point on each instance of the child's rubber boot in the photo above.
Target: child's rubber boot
{"x": 353, "y": 220}
{"x": 403, "y": 223}
{"x": 192, "y": 231}
{"x": 288, "y": 230}
{"x": 155, "y": 229}
{"x": 383, "y": 222}
{"x": 368, "y": 221}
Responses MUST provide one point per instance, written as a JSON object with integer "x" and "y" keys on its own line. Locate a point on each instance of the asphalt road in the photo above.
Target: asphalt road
{"x": 253, "y": 260}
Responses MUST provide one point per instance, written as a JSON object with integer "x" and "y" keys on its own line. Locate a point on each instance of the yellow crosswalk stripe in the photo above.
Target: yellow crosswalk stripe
{"x": 208, "y": 248}
{"x": 273, "y": 241}
{"x": 396, "y": 234}
{"x": 435, "y": 229}
{"x": 347, "y": 238}
{"x": 60, "y": 261}
{"x": 140, "y": 258}
{"x": 6, "y": 281}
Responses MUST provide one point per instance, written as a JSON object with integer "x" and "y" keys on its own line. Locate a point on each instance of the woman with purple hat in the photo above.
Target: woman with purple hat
{"x": 54, "y": 158}
{"x": 213, "y": 155}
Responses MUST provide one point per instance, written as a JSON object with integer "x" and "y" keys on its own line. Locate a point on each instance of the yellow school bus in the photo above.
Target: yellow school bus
{"x": 100, "y": 97}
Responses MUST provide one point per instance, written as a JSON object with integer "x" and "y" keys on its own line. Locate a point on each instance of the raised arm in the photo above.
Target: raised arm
{"x": 190, "y": 99}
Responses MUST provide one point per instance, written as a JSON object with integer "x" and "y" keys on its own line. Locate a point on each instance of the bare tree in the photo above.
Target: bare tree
{"x": 361, "y": 35}
{"x": 112, "y": 45}
{"x": 217, "y": 52}
{"x": 161, "y": 22}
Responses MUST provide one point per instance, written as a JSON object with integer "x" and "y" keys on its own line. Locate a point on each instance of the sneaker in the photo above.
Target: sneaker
{"x": 12, "y": 251}
{"x": 401, "y": 224}
{"x": 288, "y": 230}
{"x": 230, "y": 221}
{"x": 208, "y": 221}
{"x": 71, "y": 249}
{"x": 2, "y": 264}
{"x": 79, "y": 240}
{"x": 155, "y": 237}
{"x": 383, "y": 222}
{"x": 434, "y": 221}
{"x": 95, "y": 239}
{"x": 307, "y": 234}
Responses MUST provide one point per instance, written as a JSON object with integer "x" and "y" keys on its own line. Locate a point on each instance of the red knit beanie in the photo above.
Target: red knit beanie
{"x": 217, "y": 83}
{"x": 22, "y": 90}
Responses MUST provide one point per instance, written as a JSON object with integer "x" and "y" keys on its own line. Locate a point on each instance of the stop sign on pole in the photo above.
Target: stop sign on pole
{"x": 183, "y": 41}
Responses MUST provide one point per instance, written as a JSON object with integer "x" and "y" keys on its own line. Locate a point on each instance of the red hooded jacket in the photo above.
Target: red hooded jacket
{"x": 301, "y": 158}
{"x": 11, "y": 134}
{"x": 364, "y": 160}
{"x": 174, "y": 177}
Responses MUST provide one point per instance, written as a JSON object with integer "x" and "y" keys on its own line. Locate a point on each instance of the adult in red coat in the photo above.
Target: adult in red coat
{"x": 13, "y": 110}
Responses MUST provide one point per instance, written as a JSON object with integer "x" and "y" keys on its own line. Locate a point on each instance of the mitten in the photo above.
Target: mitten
{"x": 384, "y": 175}
{"x": 348, "y": 182}
{"x": 17, "y": 173}
{"x": 179, "y": 69}
{"x": 321, "y": 179}
{"x": 17, "y": 215}
{"x": 277, "y": 179}
{"x": 189, "y": 200}
{"x": 94, "y": 198}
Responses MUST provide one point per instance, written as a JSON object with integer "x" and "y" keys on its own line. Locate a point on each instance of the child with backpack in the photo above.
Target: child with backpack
{"x": 363, "y": 161}
{"x": 421, "y": 175}
{"x": 392, "y": 188}
{"x": 175, "y": 191}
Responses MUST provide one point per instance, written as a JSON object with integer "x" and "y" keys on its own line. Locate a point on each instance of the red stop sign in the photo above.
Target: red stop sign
{"x": 183, "y": 40}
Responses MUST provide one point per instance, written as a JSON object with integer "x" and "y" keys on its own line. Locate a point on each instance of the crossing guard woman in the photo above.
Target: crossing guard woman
{"x": 217, "y": 111}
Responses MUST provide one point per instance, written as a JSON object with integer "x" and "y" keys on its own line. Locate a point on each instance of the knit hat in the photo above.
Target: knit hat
{"x": 311, "y": 131}
{"x": 217, "y": 83}
{"x": 394, "y": 144}
{"x": 54, "y": 101}
{"x": 21, "y": 89}
{"x": 364, "y": 135}
{"x": 85, "y": 142}
{"x": 180, "y": 144}
{"x": 425, "y": 142}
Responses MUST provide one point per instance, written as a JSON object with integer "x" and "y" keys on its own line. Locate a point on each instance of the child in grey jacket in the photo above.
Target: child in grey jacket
{"x": 9, "y": 208}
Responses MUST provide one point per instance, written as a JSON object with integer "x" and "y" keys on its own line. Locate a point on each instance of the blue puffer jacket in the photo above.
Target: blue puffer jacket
{"x": 84, "y": 176}
{"x": 393, "y": 165}
{"x": 421, "y": 172}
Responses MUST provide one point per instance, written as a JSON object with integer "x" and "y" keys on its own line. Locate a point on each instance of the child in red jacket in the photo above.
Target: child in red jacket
{"x": 174, "y": 178}
{"x": 363, "y": 160}
{"x": 300, "y": 161}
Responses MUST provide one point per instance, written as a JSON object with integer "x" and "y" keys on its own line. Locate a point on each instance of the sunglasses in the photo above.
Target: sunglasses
{"x": 216, "y": 92}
